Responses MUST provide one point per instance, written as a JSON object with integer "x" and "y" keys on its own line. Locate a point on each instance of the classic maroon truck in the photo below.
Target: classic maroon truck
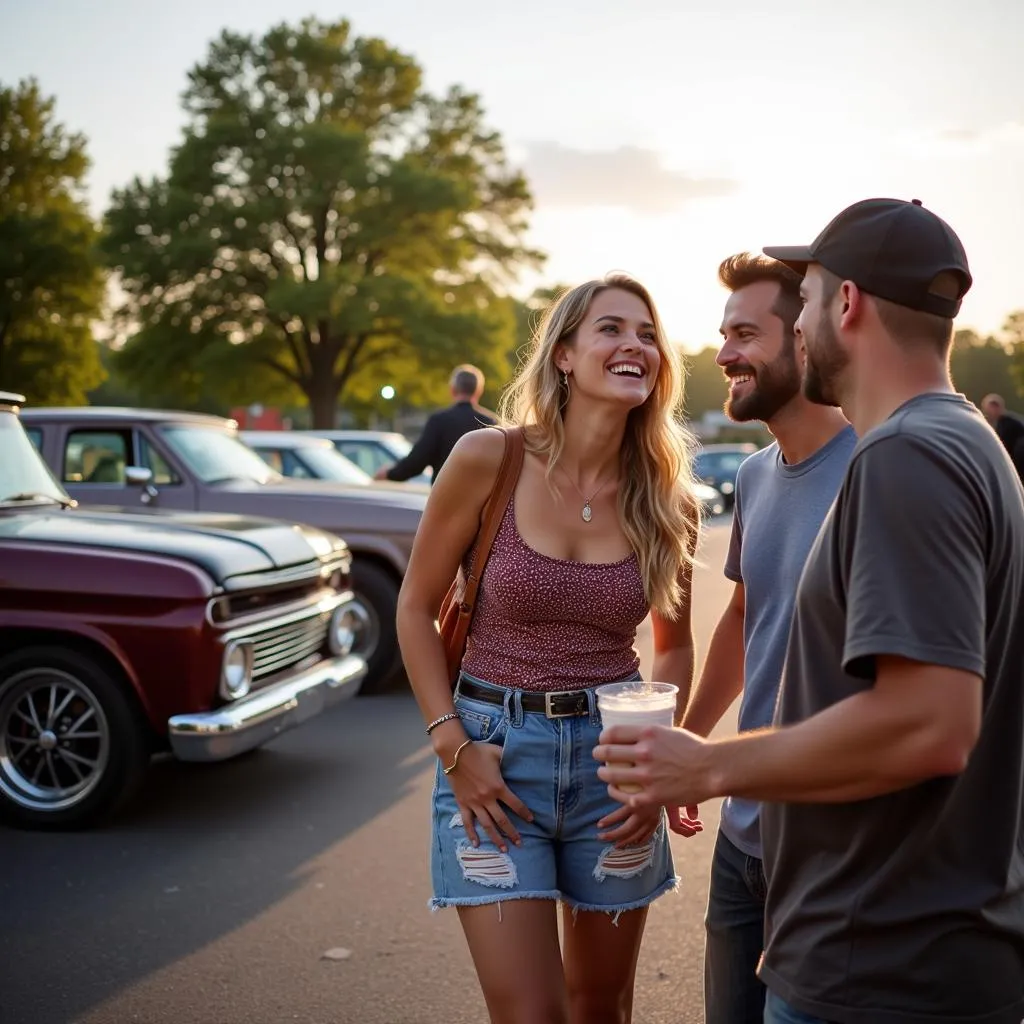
{"x": 124, "y": 633}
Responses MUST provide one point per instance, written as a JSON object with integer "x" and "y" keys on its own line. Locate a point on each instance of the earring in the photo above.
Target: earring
{"x": 565, "y": 379}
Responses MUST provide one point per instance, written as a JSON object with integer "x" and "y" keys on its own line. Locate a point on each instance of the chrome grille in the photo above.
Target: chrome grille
{"x": 284, "y": 645}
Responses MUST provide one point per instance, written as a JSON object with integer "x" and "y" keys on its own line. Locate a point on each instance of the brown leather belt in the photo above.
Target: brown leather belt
{"x": 564, "y": 704}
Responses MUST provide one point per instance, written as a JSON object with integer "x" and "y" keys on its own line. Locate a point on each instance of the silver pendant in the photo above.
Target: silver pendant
{"x": 587, "y": 513}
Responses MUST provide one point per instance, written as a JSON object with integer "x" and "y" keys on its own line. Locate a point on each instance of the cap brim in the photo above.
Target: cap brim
{"x": 796, "y": 257}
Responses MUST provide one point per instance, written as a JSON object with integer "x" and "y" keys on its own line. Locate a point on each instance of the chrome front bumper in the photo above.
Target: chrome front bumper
{"x": 256, "y": 719}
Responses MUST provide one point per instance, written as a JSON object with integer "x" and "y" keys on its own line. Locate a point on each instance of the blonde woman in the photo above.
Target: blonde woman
{"x": 600, "y": 531}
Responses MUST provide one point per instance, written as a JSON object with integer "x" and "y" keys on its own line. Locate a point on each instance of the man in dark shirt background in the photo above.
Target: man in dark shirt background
{"x": 444, "y": 428}
{"x": 1010, "y": 428}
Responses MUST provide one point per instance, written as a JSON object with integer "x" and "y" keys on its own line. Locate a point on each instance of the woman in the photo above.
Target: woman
{"x": 600, "y": 530}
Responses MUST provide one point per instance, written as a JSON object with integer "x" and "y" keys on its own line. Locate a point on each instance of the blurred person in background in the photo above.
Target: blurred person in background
{"x": 1009, "y": 427}
{"x": 444, "y": 428}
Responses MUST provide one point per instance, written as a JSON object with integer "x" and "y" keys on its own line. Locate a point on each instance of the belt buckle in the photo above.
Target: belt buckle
{"x": 549, "y": 709}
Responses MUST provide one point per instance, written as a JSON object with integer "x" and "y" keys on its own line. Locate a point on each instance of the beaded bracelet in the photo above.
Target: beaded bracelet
{"x": 444, "y": 718}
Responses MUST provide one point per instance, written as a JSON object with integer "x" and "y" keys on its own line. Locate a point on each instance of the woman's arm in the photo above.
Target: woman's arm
{"x": 447, "y": 530}
{"x": 673, "y": 641}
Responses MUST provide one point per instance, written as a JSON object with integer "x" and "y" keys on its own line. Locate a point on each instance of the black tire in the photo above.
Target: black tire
{"x": 377, "y": 590}
{"x": 101, "y": 725}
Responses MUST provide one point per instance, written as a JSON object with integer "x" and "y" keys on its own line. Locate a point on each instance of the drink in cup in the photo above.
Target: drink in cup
{"x": 636, "y": 703}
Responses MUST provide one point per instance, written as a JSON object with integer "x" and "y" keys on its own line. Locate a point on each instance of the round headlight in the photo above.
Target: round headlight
{"x": 236, "y": 670}
{"x": 726, "y": 488}
{"x": 348, "y": 622}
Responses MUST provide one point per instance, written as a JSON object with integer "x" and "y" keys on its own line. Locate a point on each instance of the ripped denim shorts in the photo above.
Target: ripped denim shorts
{"x": 549, "y": 764}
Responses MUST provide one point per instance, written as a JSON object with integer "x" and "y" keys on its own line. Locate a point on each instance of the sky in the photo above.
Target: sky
{"x": 658, "y": 136}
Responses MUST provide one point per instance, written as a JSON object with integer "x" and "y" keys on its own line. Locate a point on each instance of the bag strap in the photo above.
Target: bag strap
{"x": 494, "y": 510}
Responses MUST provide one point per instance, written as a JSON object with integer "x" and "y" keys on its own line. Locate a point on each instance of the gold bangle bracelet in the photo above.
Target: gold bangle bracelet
{"x": 455, "y": 762}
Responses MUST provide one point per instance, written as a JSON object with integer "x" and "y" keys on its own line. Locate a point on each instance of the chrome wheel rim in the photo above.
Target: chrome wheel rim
{"x": 54, "y": 740}
{"x": 367, "y": 627}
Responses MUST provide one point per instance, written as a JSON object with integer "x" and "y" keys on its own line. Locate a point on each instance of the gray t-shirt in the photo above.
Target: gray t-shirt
{"x": 779, "y": 510}
{"x": 909, "y": 908}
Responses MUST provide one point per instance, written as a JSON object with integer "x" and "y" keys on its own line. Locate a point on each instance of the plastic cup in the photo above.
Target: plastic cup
{"x": 636, "y": 703}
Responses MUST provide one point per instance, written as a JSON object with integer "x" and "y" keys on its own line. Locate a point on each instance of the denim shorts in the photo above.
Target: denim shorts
{"x": 549, "y": 764}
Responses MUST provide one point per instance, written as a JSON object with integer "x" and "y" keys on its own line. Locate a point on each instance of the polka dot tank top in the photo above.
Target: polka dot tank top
{"x": 550, "y": 624}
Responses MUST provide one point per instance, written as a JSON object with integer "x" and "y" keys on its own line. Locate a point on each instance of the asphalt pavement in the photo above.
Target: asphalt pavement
{"x": 291, "y": 885}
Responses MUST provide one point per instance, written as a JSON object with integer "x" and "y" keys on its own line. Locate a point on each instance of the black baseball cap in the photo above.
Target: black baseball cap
{"x": 892, "y": 249}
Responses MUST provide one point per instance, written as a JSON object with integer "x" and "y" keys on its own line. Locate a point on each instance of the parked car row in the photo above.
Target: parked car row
{"x": 123, "y": 633}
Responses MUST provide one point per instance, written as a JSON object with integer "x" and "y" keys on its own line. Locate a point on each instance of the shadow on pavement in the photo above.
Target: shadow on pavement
{"x": 203, "y": 851}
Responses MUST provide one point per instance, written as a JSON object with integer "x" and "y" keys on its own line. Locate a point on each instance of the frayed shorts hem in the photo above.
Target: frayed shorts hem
{"x": 437, "y": 903}
{"x": 669, "y": 885}
{"x": 441, "y": 902}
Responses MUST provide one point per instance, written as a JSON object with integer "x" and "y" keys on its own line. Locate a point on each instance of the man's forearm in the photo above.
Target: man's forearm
{"x": 721, "y": 681}
{"x": 676, "y": 666}
{"x": 859, "y": 748}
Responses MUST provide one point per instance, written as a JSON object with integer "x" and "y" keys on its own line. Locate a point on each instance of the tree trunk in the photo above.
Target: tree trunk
{"x": 323, "y": 400}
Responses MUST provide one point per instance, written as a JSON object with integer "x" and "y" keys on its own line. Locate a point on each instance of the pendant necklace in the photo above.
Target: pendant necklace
{"x": 586, "y": 513}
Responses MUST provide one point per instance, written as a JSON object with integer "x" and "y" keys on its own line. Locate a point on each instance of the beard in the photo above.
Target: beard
{"x": 774, "y": 386}
{"x": 826, "y": 361}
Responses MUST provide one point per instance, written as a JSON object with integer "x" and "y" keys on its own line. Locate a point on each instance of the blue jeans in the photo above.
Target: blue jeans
{"x": 549, "y": 764}
{"x": 778, "y": 1012}
{"x": 733, "y": 994}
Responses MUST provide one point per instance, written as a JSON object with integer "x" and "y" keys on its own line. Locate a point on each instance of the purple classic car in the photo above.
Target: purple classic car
{"x": 126, "y": 633}
{"x": 149, "y": 459}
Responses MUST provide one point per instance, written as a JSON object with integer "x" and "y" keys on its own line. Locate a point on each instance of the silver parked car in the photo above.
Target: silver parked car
{"x": 145, "y": 458}
{"x": 304, "y": 456}
{"x": 371, "y": 450}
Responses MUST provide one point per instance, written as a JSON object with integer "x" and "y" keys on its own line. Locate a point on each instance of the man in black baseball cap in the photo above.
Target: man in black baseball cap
{"x": 892, "y": 777}
{"x": 908, "y": 624}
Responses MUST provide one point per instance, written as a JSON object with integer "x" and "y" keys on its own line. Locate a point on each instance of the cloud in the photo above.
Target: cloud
{"x": 961, "y": 141}
{"x": 629, "y": 177}
{"x": 959, "y": 134}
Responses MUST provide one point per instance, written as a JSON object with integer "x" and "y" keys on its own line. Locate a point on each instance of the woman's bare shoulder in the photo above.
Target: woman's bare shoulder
{"x": 477, "y": 455}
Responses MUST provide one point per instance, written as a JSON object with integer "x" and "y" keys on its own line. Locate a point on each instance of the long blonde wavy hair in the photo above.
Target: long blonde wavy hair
{"x": 658, "y": 509}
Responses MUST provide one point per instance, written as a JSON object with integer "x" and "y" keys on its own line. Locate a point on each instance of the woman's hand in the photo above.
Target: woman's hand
{"x": 637, "y": 826}
{"x": 480, "y": 791}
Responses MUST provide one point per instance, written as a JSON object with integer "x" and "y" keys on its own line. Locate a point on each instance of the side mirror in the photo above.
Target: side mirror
{"x": 140, "y": 476}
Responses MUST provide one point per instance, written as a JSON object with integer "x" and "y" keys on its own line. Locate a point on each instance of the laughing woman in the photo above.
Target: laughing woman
{"x": 599, "y": 532}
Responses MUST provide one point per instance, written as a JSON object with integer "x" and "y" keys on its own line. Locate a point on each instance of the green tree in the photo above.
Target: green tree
{"x": 1013, "y": 334}
{"x": 325, "y": 221}
{"x": 706, "y": 389}
{"x": 51, "y": 284}
{"x": 980, "y": 366}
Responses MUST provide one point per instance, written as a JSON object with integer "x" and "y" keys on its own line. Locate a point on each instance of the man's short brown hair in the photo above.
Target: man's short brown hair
{"x": 745, "y": 268}
{"x": 904, "y": 325}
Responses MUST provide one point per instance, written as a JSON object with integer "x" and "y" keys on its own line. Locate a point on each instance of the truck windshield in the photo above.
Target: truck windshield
{"x": 24, "y": 478}
{"x": 216, "y": 456}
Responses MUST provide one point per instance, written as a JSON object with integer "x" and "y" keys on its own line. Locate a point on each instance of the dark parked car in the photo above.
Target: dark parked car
{"x": 145, "y": 458}
{"x": 717, "y": 466}
{"x": 126, "y": 633}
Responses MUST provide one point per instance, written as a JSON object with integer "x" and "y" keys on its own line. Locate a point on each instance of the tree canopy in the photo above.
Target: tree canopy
{"x": 51, "y": 282}
{"x": 325, "y": 224}
{"x": 981, "y": 366}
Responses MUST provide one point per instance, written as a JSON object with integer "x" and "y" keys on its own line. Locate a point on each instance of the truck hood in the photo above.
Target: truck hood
{"x": 222, "y": 545}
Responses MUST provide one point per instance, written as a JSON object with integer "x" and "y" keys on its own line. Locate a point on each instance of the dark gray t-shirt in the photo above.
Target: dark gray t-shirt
{"x": 909, "y": 908}
{"x": 779, "y": 510}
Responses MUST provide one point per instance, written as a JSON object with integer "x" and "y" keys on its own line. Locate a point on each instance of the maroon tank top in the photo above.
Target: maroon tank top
{"x": 551, "y": 624}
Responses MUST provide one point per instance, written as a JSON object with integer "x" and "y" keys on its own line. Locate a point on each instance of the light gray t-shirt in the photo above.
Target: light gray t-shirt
{"x": 779, "y": 510}
{"x": 908, "y": 908}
